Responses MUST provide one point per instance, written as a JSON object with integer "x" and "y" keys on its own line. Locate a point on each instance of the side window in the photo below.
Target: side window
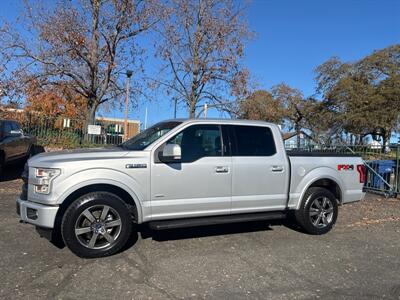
{"x": 253, "y": 141}
{"x": 15, "y": 126}
{"x": 198, "y": 141}
{"x": 7, "y": 127}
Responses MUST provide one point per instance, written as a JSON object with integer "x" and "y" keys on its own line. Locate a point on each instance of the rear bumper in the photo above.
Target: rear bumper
{"x": 37, "y": 214}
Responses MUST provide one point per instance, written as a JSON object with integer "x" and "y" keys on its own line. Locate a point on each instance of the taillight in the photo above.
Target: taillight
{"x": 361, "y": 172}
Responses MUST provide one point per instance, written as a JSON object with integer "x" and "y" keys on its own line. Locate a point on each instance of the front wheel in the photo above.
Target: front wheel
{"x": 96, "y": 225}
{"x": 318, "y": 211}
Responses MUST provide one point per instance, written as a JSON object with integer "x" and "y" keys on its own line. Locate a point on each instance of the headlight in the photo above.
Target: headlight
{"x": 44, "y": 178}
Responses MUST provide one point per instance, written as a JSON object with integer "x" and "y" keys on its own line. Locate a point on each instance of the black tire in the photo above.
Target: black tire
{"x": 75, "y": 218}
{"x": 316, "y": 220}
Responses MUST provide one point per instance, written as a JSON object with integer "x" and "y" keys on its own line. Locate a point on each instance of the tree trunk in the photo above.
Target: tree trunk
{"x": 386, "y": 139}
{"x": 192, "y": 110}
{"x": 90, "y": 120}
{"x": 91, "y": 116}
{"x": 297, "y": 128}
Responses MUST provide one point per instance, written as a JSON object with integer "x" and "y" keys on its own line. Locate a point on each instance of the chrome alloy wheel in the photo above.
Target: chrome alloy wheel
{"x": 98, "y": 227}
{"x": 321, "y": 212}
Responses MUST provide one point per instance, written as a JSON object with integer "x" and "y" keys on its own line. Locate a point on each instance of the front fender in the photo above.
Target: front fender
{"x": 85, "y": 178}
{"x": 297, "y": 192}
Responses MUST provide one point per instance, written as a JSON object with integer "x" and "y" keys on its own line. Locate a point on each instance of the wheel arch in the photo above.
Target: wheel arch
{"x": 331, "y": 185}
{"x": 131, "y": 203}
{"x": 321, "y": 177}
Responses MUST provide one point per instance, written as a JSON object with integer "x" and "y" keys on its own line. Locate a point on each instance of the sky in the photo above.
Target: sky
{"x": 292, "y": 38}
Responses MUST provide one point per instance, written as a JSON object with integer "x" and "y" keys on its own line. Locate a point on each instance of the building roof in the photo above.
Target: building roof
{"x": 10, "y": 109}
{"x": 289, "y": 135}
{"x": 117, "y": 120}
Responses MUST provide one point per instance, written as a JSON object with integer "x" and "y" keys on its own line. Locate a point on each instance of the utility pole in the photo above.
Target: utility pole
{"x": 128, "y": 76}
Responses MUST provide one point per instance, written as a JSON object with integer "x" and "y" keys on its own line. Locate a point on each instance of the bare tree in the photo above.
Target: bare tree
{"x": 202, "y": 44}
{"x": 88, "y": 43}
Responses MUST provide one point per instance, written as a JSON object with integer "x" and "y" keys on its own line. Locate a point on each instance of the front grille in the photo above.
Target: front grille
{"x": 25, "y": 177}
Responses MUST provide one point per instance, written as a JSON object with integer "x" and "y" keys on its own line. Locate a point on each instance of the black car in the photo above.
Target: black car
{"x": 14, "y": 144}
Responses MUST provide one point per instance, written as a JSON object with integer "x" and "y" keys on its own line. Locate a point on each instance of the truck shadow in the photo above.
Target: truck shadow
{"x": 214, "y": 230}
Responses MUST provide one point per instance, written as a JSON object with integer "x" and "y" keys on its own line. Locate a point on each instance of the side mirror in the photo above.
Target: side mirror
{"x": 171, "y": 153}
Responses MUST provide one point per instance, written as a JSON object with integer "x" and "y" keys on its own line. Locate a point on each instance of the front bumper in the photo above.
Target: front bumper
{"x": 37, "y": 214}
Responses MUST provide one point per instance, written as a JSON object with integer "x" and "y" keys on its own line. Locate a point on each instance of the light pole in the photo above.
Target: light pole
{"x": 175, "y": 104}
{"x": 128, "y": 76}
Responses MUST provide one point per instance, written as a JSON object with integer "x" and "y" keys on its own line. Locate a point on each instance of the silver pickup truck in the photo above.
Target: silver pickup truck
{"x": 182, "y": 173}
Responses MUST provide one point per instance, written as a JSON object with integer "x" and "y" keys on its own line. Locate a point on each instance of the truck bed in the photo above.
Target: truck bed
{"x": 308, "y": 167}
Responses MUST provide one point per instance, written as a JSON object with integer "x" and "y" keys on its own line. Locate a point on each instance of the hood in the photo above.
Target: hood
{"x": 49, "y": 158}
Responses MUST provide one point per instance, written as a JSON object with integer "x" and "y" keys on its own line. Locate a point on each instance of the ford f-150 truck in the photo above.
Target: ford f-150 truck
{"x": 182, "y": 173}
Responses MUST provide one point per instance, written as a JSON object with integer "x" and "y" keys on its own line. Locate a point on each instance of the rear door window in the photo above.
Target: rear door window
{"x": 7, "y": 127}
{"x": 253, "y": 141}
{"x": 15, "y": 126}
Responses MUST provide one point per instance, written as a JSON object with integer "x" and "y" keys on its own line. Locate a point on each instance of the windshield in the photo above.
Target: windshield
{"x": 149, "y": 136}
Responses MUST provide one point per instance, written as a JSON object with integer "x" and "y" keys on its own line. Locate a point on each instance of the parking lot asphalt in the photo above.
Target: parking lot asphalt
{"x": 359, "y": 259}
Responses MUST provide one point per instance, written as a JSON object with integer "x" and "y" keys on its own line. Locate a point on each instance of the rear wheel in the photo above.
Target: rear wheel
{"x": 318, "y": 211}
{"x": 96, "y": 224}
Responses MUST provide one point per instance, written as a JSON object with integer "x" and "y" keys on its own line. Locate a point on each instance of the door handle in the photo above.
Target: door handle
{"x": 277, "y": 168}
{"x": 221, "y": 169}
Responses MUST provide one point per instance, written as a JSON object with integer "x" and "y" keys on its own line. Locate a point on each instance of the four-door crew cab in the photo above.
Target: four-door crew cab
{"x": 184, "y": 173}
{"x": 14, "y": 144}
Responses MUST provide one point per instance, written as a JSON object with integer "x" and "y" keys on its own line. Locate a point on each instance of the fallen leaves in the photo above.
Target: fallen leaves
{"x": 366, "y": 221}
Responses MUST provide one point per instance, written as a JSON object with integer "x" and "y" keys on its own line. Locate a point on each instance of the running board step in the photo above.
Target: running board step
{"x": 204, "y": 221}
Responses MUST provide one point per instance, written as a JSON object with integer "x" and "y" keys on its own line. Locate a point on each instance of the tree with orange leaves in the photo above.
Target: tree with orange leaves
{"x": 53, "y": 102}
